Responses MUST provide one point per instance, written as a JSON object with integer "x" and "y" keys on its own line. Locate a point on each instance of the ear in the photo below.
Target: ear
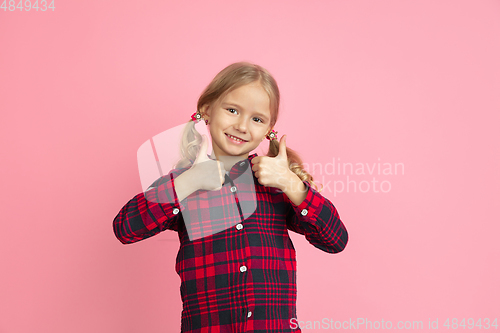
{"x": 205, "y": 111}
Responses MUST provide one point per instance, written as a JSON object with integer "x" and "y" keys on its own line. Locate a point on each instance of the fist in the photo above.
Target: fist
{"x": 273, "y": 171}
{"x": 208, "y": 174}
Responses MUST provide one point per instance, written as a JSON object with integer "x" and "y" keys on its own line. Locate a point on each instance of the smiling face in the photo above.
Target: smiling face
{"x": 240, "y": 121}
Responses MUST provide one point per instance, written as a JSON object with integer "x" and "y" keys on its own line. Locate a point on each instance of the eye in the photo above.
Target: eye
{"x": 230, "y": 110}
{"x": 258, "y": 119}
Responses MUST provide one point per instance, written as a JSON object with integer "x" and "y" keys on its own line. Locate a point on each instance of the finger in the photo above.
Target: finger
{"x": 222, "y": 172}
{"x": 222, "y": 169}
{"x": 256, "y": 160}
{"x": 212, "y": 155}
{"x": 282, "y": 147}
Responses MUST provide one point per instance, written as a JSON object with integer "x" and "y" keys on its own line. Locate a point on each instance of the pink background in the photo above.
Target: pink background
{"x": 412, "y": 82}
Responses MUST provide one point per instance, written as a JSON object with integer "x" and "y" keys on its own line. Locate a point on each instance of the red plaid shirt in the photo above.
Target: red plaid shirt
{"x": 243, "y": 277}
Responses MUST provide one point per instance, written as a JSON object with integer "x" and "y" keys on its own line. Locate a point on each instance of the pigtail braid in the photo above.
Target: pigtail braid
{"x": 190, "y": 145}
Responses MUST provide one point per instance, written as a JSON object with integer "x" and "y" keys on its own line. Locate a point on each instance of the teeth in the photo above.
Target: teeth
{"x": 232, "y": 137}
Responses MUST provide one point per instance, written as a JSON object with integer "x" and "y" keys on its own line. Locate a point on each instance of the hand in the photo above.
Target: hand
{"x": 207, "y": 174}
{"x": 273, "y": 171}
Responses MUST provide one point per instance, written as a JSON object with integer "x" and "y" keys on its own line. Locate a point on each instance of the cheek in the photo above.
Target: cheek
{"x": 213, "y": 131}
{"x": 221, "y": 123}
{"x": 259, "y": 130}
{"x": 215, "y": 126}
{"x": 261, "y": 133}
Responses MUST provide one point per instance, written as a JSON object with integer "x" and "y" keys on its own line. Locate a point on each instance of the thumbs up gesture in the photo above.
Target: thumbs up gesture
{"x": 273, "y": 171}
{"x": 206, "y": 173}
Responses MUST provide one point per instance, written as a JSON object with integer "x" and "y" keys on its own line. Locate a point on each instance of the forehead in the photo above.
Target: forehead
{"x": 251, "y": 97}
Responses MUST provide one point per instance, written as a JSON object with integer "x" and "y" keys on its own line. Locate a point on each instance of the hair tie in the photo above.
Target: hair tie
{"x": 272, "y": 135}
{"x": 196, "y": 117}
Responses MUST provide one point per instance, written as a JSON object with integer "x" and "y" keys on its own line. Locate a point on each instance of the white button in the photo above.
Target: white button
{"x": 243, "y": 268}
{"x": 233, "y": 189}
{"x": 304, "y": 212}
{"x": 242, "y": 164}
{"x": 239, "y": 226}
{"x": 175, "y": 211}
{"x": 249, "y": 314}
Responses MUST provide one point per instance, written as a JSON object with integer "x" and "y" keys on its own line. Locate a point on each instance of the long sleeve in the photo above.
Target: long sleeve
{"x": 317, "y": 218}
{"x": 149, "y": 213}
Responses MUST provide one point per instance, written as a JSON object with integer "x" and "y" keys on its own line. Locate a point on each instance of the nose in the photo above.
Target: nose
{"x": 241, "y": 125}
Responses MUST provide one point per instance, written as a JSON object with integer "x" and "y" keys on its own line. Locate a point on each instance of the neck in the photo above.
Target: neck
{"x": 229, "y": 161}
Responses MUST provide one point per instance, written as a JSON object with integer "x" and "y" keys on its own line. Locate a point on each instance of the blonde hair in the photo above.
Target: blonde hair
{"x": 230, "y": 78}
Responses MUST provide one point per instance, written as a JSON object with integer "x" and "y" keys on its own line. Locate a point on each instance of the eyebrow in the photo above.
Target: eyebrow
{"x": 239, "y": 107}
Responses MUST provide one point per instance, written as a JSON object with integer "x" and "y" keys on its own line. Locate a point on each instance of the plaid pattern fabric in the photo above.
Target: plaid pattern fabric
{"x": 208, "y": 212}
{"x": 242, "y": 278}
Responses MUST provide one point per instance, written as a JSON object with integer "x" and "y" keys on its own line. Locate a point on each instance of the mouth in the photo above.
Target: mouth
{"x": 235, "y": 138}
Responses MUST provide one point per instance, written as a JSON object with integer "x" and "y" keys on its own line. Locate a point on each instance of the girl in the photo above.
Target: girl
{"x": 236, "y": 277}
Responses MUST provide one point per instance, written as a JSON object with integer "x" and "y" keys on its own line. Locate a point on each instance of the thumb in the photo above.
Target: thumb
{"x": 282, "y": 147}
{"x": 202, "y": 154}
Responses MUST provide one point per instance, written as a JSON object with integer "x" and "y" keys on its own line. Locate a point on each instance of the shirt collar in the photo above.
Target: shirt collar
{"x": 238, "y": 168}
{"x": 241, "y": 166}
